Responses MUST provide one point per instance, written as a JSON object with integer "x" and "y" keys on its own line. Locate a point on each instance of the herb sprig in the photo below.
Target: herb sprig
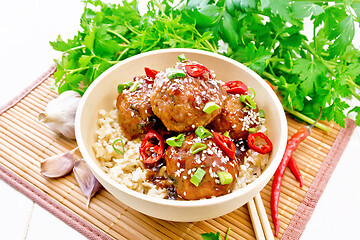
{"x": 265, "y": 35}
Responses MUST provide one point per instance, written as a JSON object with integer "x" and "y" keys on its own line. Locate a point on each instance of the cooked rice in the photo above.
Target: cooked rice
{"x": 129, "y": 170}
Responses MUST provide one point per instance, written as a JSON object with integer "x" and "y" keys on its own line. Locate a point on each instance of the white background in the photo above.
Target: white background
{"x": 26, "y": 27}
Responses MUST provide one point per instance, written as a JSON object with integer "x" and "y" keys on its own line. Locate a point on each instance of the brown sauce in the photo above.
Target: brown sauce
{"x": 160, "y": 181}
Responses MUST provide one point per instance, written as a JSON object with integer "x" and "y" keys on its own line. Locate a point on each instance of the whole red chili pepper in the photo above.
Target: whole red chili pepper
{"x": 152, "y": 147}
{"x": 151, "y": 73}
{"x": 291, "y": 146}
{"x": 235, "y": 87}
{"x": 259, "y": 142}
{"x": 225, "y": 144}
{"x": 197, "y": 70}
{"x": 295, "y": 170}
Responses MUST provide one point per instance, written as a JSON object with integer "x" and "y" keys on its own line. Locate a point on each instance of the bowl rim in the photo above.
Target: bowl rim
{"x": 270, "y": 169}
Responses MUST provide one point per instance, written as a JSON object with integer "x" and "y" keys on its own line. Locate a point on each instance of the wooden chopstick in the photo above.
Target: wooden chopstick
{"x": 259, "y": 219}
{"x": 263, "y": 217}
{"x": 255, "y": 220}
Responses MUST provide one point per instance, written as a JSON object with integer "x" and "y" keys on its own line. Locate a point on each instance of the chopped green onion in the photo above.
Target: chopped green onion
{"x": 227, "y": 134}
{"x": 134, "y": 87}
{"x": 175, "y": 73}
{"x": 197, "y": 177}
{"x": 210, "y": 107}
{"x": 225, "y": 177}
{"x": 123, "y": 86}
{"x": 252, "y": 130}
{"x": 182, "y": 58}
{"x": 261, "y": 113}
{"x": 248, "y": 101}
{"x": 197, "y": 147}
{"x": 176, "y": 141}
{"x": 251, "y": 92}
{"x": 122, "y": 144}
{"x": 202, "y": 132}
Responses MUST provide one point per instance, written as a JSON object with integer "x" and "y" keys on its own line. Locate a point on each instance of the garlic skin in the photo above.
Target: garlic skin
{"x": 60, "y": 113}
{"x": 86, "y": 180}
{"x": 58, "y": 165}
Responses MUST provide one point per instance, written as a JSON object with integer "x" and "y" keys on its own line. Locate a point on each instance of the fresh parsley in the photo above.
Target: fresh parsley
{"x": 265, "y": 35}
{"x": 214, "y": 236}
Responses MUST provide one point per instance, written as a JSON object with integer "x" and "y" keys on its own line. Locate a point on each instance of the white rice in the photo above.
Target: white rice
{"x": 129, "y": 170}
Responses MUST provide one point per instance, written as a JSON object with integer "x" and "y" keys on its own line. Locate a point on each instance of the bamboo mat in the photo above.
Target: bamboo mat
{"x": 25, "y": 142}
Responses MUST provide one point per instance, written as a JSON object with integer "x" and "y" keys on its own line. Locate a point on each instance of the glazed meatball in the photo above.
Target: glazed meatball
{"x": 134, "y": 110}
{"x": 181, "y": 166}
{"x": 179, "y": 102}
{"x": 236, "y": 118}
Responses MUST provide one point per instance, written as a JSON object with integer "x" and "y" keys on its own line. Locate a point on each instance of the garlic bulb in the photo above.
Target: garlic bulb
{"x": 60, "y": 113}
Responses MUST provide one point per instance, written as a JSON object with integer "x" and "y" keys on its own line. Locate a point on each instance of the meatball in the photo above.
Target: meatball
{"x": 179, "y": 102}
{"x": 134, "y": 110}
{"x": 181, "y": 166}
{"x": 235, "y": 118}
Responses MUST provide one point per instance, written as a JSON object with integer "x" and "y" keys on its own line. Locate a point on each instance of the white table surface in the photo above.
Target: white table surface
{"x": 26, "y": 27}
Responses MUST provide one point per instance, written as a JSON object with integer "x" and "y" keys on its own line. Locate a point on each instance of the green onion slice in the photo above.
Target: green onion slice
{"x": 227, "y": 134}
{"x": 197, "y": 177}
{"x": 182, "y": 58}
{"x": 252, "y": 130}
{"x": 122, "y": 144}
{"x": 225, "y": 177}
{"x": 202, "y": 132}
{"x": 210, "y": 107}
{"x": 261, "y": 113}
{"x": 197, "y": 147}
{"x": 135, "y": 86}
{"x": 123, "y": 86}
{"x": 176, "y": 141}
{"x": 175, "y": 73}
{"x": 248, "y": 101}
{"x": 251, "y": 92}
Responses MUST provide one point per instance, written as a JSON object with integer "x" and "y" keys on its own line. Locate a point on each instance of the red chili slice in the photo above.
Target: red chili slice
{"x": 197, "y": 70}
{"x": 225, "y": 144}
{"x": 152, "y": 148}
{"x": 151, "y": 73}
{"x": 259, "y": 142}
{"x": 235, "y": 87}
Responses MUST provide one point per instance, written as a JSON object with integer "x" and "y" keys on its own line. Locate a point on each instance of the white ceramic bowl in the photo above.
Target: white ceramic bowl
{"x": 102, "y": 93}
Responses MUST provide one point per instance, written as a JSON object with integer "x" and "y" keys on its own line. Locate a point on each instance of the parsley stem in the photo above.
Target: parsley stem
{"x": 312, "y": 51}
{"x": 355, "y": 94}
{"x": 122, "y": 54}
{"x": 119, "y": 36}
{"x": 269, "y": 76}
{"x": 350, "y": 81}
{"x": 74, "y": 48}
{"x": 307, "y": 119}
{"x": 70, "y": 71}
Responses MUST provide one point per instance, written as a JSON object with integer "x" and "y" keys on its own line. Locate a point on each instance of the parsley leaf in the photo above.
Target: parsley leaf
{"x": 345, "y": 31}
{"x": 308, "y": 71}
{"x": 265, "y": 35}
{"x": 306, "y": 9}
{"x": 211, "y": 236}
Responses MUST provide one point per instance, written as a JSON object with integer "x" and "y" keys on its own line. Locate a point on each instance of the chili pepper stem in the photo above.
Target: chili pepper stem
{"x": 309, "y": 128}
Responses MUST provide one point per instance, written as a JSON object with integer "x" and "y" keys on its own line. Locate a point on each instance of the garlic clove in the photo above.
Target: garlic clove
{"x": 88, "y": 184}
{"x": 58, "y": 165}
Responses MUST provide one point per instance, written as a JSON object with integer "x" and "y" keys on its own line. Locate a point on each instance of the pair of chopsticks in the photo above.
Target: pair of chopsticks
{"x": 259, "y": 219}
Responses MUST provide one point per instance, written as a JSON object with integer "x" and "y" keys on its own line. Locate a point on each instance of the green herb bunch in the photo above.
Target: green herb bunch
{"x": 265, "y": 35}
